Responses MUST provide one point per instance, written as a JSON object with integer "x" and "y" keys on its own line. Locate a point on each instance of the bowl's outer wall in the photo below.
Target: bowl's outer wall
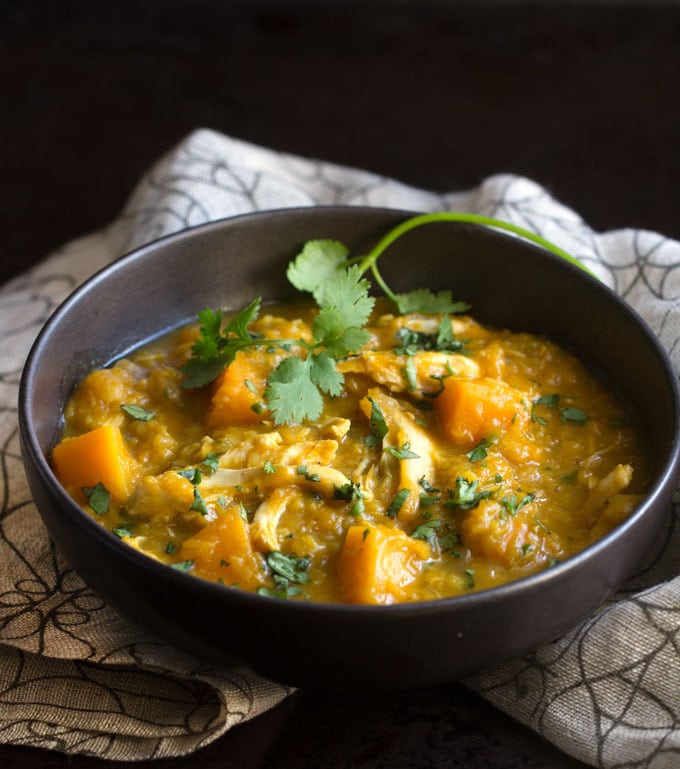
{"x": 227, "y": 264}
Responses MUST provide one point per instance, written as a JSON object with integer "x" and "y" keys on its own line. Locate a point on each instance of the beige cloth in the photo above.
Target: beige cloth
{"x": 77, "y": 677}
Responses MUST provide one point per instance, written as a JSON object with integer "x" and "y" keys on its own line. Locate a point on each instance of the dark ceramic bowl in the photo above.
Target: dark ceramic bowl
{"x": 508, "y": 283}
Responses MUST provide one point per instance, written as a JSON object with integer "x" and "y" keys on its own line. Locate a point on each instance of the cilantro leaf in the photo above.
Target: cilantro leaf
{"x": 138, "y": 412}
{"x": 403, "y": 452}
{"x": 98, "y": 498}
{"x": 211, "y": 462}
{"x": 346, "y": 293}
{"x": 479, "y": 452}
{"x": 291, "y": 394}
{"x": 428, "y": 532}
{"x": 465, "y": 496}
{"x": 512, "y": 505}
{"x": 377, "y": 424}
{"x": 411, "y": 342}
{"x": 198, "y": 505}
{"x": 332, "y": 332}
{"x": 397, "y": 503}
{"x": 122, "y": 531}
{"x": 424, "y": 300}
{"x": 210, "y": 331}
{"x": 214, "y": 348}
{"x": 238, "y": 325}
{"x": 573, "y": 414}
{"x": 198, "y": 373}
{"x": 290, "y": 567}
{"x": 324, "y": 373}
{"x": 567, "y": 413}
{"x": 318, "y": 261}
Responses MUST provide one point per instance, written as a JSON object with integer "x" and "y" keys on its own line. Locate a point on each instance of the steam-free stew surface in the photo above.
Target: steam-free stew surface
{"x": 434, "y": 473}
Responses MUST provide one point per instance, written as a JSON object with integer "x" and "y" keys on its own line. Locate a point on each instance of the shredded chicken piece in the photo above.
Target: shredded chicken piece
{"x": 296, "y": 446}
{"x": 387, "y": 369}
{"x": 614, "y": 482}
{"x": 403, "y": 430}
{"x": 265, "y": 523}
{"x": 316, "y": 478}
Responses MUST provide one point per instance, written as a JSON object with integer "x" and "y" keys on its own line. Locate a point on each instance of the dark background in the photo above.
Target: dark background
{"x": 583, "y": 97}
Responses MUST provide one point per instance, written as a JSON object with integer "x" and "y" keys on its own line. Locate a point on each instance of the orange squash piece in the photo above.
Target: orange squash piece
{"x": 98, "y": 456}
{"x": 378, "y": 563}
{"x": 239, "y": 392}
{"x": 222, "y": 551}
{"x": 471, "y": 409}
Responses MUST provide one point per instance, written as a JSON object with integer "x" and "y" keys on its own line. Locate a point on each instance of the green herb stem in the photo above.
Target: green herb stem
{"x": 370, "y": 259}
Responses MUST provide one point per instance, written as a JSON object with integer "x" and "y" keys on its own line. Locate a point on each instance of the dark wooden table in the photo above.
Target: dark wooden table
{"x": 582, "y": 97}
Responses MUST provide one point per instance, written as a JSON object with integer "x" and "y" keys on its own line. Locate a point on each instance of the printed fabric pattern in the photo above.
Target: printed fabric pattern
{"x": 77, "y": 677}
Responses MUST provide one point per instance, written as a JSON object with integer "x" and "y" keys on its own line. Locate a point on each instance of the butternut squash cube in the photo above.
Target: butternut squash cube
{"x": 222, "y": 551}
{"x": 378, "y": 563}
{"x": 239, "y": 392}
{"x": 98, "y": 456}
{"x": 471, "y": 409}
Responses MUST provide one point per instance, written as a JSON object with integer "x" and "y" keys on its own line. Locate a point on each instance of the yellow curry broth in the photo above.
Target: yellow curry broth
{"x": 499, "y": 459}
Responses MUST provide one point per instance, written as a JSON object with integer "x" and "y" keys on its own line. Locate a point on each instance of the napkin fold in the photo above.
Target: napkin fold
{"x": 77, "y": 677}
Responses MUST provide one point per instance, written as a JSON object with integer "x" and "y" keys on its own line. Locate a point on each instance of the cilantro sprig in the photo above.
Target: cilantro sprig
{"x": 295, "y": 387}
{"x": 325, "y": 269}
{"x": 320, "y": 259}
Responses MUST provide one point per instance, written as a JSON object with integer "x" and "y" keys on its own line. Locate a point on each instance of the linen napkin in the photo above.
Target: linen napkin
{"x": 77, "y": 677}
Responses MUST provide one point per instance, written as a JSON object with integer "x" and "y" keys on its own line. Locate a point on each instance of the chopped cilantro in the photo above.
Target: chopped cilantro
{"x": 427, "y": 500}
{"x": 427, "y": 486}
{"x": 479, "y": 452}
{"x": 410, "y": 374}
{"x": 470, "y": 577}
{"x": 428, "y": 532}
{"x": 138, "y": 412}
{"x": 98, "y": 498}
{"x": 402, "y": 453}
{"x": 397, "y": 503}
{"x": 350, "y": 492}
{"x": 573, "y": 414}
{"x": 567, "y": 413}
{"x": 122, "y": 531}
{"x": 192, "y": 474}
{"x": 377, "y": 424}
{"x": 344, "y": 492}
{"x": 289, "y": 567}
{"x": 199, "y": 505}
{"x": 287, "y": 571}
{"x": 512, "y": 505}
{"x": 541, "y": 525}
{"x": 411, "y": 342}
{"x": 423, "y": 300}
{"x": 465, "y": 496}
{"x": 211, "y": 462}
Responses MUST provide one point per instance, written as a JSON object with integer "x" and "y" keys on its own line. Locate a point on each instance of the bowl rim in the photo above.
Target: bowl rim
{"x": 668, "y": 469}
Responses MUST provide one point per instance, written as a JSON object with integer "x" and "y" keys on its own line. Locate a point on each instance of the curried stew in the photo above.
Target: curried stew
{"x": 351, "y": 451}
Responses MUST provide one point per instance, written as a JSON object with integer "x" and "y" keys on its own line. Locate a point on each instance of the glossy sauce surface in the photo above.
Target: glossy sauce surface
{"x": 438, "y": 470}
